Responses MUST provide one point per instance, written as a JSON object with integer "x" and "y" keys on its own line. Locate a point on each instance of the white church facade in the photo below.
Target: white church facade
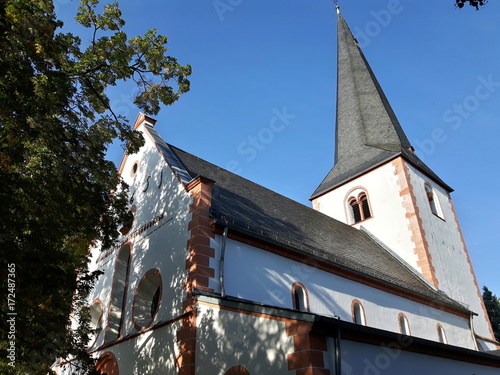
{"x": 218, "y": 275}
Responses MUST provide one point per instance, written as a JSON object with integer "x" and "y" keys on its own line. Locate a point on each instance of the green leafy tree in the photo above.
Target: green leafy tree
{"x": 473, "y": 3}
{"x": 492, "y": 304}
{"x": 56, "y": 185}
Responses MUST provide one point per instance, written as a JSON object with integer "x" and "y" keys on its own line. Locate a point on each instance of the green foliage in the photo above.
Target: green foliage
{"x": 473, "y": 3}
{"x": 55, "y": 182}
{"x": 492, "y": 304}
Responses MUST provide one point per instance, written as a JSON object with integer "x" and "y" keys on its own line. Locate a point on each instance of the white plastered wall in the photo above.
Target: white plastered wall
{"x": 388, "y": 222}
{"x": 161, "y": 201}
{"x": 264, "y": 277}
{"x": 359, "y": 358}
{"x": 226, "y": 338}
{"x": 153, "y": 352}
{"x": 449, "y": 255}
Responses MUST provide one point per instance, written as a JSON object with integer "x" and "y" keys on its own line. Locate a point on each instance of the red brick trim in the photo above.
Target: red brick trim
{"x": 418, "y": 237}
{"x": 198, "y": 268}
{"x": 237, "y": 370}
{"x": 199, "y": 250}
{"x": 186, "y": 339}
{"x": 142, "y": 118}
{"x": 308, "y": 357}
{"x": 467, "y": 256}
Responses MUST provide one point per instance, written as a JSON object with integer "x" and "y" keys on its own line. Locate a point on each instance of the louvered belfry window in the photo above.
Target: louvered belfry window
{"x": 360, "y": 208}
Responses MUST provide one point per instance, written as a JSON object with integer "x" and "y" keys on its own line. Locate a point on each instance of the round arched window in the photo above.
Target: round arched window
{"x": 358, "y": 206}
{"x": 147, "y": 299}
{"x": 128, "y": 220}
{"x": 107, "y": 364}
{"x": 133, "y": 170}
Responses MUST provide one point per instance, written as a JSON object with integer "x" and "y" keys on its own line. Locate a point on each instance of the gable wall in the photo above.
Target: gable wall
{"x": 158, "y": 239}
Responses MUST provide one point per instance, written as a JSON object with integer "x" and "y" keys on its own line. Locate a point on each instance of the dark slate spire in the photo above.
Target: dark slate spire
{"x": 367, "y": 132}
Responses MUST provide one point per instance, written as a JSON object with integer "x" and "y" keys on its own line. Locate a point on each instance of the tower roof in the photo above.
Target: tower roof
{"x": 368, "y": 132}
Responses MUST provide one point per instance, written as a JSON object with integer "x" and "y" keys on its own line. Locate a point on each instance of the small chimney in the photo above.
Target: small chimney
{"x": 142, "y": 118}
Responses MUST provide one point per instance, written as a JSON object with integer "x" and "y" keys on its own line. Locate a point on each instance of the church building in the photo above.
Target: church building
{"x": 220, "y": 276}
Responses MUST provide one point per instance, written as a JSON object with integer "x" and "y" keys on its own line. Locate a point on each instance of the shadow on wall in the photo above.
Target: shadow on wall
{"x": 157, "y": 239}
{"x": 226, "y": 339}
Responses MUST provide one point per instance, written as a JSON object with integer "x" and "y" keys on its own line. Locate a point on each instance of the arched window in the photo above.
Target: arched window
{"x": 133, "y": 170}
{"x": 237, "y": 370}
{"x": 300, "y": 298}
{"x": 107, "y": 364}
{"x": 404, "y": 326}
{"x": 433, "y": 200}
{"x": 128, "y": 221}
{"x": 147, "y": 299}
{"x": 358, "y": 313}
{"x": 118, "y": 293}
{"x": 441, "y": 334}
{"x": 96, "y": 311}
{"x": 359, "y": 207}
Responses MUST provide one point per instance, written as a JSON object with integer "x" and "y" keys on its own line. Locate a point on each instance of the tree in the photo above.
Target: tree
{"x": 473, "y": 3}
{"x": 58, "y": 192}
{"x": 492, "y": 304}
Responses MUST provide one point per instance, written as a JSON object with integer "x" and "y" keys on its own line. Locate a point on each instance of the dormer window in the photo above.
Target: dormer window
{"x": 433, "y": 200}
{"x": 359, "y": 207}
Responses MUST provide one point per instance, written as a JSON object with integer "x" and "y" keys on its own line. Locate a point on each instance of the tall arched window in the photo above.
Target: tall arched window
{"x": 404, "y": 326}
{"x": 118, "y": 293}
{"x": 441, "y": 334}
{"x": 359, "y": 206}
{"x": 96, "y": 311}
{"x": 433, "y": 200}
{"x": 300, "y": 298}
{"x": 358, "y": 313}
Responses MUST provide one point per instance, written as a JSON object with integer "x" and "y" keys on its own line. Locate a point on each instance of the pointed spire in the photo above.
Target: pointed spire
{"x": 368, "y": 133}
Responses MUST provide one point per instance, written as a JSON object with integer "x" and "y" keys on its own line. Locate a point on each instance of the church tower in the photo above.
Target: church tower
{"x": 379, "y": 185}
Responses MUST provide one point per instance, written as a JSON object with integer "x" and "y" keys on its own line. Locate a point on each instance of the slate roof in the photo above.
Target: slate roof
{"x": 255, "y": 210}
{"x": 368, "y": 132}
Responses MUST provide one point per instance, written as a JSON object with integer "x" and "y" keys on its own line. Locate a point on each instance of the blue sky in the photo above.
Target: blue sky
{"x": 262, "y": 99}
